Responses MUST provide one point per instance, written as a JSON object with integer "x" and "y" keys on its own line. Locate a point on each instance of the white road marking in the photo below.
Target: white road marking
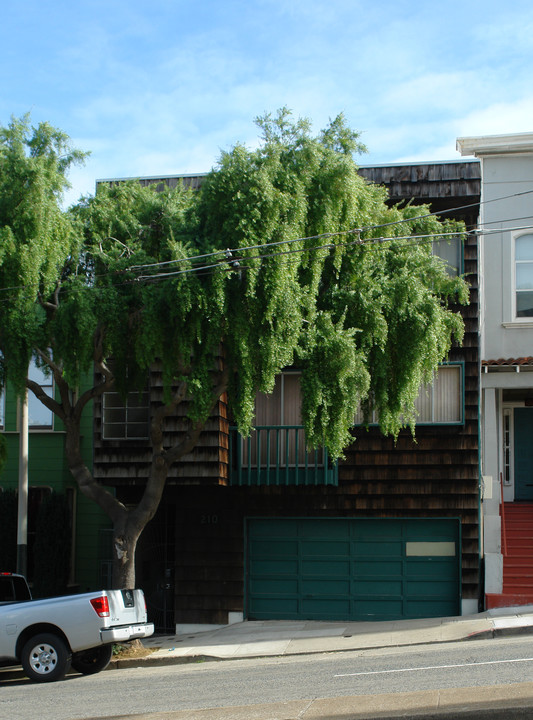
{"x": 435, "y": 667}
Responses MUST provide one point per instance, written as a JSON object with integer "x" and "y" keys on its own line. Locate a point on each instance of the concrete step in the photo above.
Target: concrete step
{"x": 506, "y": 599}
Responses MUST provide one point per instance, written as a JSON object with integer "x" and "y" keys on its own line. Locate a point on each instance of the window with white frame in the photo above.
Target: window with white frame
{"x": 439, "y": 402}
{"x": 524, "y": 275}
{"x": 126, "y": 420}
{"x": 39, "y": 416}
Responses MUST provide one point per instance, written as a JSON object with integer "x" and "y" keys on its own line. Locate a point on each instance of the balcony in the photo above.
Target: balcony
{"x": 277, "y": 455}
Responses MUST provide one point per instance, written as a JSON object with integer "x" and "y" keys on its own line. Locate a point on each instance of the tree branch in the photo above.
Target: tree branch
{"x": 47, "y": 401}
{"x": 52, "y": 306}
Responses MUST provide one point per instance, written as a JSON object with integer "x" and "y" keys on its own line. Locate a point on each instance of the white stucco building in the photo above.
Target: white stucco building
{"x": 506, "y": 342}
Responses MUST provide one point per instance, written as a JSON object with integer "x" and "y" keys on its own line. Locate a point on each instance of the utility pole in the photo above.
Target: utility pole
{"x": 22, "y": 524}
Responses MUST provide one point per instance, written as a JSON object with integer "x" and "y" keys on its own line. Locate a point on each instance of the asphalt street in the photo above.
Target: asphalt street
{"x": 445, "y": 680}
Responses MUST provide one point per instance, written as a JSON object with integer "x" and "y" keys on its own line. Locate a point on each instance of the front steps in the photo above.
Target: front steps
{"x": 517, "y": 539}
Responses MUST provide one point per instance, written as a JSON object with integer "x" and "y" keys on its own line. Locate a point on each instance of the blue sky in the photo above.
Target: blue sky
{"x": 161, "y": 87}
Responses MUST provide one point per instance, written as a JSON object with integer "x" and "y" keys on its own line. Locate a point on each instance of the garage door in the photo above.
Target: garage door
{"x": 352, "y": 569}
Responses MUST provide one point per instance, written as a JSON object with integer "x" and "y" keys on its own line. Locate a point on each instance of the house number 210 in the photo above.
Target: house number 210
{"x": 209, "y": 519}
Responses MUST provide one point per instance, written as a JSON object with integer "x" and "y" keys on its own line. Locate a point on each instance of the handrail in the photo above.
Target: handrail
{"x": 502, "y": 515}
{"x": 277, "y": 455}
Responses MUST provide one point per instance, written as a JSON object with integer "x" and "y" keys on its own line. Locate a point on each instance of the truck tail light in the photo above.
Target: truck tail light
{"x": 101, "y": 606}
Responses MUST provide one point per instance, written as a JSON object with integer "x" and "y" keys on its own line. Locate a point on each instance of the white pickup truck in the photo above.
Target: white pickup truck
{"x": 48, "y": 636}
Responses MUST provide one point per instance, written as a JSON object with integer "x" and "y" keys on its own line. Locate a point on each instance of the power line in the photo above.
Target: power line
{"x": 321, "y": 236}
{"x": 268, "y": 256}
{"x": 228, "y": 253}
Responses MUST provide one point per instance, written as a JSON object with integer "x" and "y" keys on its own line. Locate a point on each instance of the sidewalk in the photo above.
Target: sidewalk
{"x": 284, "y": 637}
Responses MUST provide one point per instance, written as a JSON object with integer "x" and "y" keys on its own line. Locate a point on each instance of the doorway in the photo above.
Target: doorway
{"x": 523, "y": 453}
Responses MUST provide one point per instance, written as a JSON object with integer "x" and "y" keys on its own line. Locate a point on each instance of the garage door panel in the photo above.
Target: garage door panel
{"x": 432, "y": 569}
{"x": 324, "y": 529}
{"x": 274, "y": 567}
{"x": 274, "y": 547}
{"x": 324, "y": 548}
{"x": 377, "y": 549}
{"x": 323, "y": 609}
{"x": 319, "y": 567}
{"x": 429, "y": 589}
{"x": 325, "y": 587}
{"x": 376, "y": 587}
{"x": 268, "y": 586}
{"x": 275, "y": 607}
{"x": 438, "y": 607}
{"x": 378, "y": 609}
{"x": 378, "y": 568}
{"x": 372, "y": 530}
{"x": 268, "y": 528}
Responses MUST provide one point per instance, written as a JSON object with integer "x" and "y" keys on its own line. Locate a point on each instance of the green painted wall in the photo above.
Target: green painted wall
{"x": 47, "y": 467}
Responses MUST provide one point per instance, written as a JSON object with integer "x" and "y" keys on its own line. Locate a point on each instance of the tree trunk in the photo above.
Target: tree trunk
{"x": 128, "y": 524}
{"x": 124, "y": 545}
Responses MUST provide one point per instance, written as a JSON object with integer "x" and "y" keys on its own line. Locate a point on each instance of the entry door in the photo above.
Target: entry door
{"x": 523, "y": 453}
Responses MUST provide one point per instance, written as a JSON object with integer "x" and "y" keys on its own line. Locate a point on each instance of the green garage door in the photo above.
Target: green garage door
{"x": 352, "y": 569}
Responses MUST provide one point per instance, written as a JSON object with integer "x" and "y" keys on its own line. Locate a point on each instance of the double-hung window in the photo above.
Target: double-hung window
{"x": 524, "y": 275}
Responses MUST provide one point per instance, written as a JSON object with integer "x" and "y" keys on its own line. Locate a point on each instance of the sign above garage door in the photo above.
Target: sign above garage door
{"x": 352, "y": 569}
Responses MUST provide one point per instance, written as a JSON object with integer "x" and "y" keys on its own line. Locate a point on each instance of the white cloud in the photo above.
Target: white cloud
{"x": 499, "y": 118}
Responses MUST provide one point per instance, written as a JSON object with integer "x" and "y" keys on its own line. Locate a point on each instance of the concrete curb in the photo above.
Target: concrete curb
{"x": 158, "y": 660}
{"x": 500, "y": 632}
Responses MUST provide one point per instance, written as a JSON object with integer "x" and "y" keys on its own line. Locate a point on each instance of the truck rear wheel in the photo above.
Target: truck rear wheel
{"x": 89, "y": 662}
{"x": 45, "y": 657}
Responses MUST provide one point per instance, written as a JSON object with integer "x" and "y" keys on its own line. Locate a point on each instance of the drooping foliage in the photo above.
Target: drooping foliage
{"x": 284, "y": 257}
{"x": 366, "y": 320}
{"x": 36, "y": 237}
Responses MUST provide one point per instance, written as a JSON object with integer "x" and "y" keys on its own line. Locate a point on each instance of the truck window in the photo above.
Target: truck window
{"x": 13, "y": 588}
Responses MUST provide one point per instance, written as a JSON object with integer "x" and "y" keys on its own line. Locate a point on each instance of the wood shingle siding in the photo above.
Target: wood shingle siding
{"x": 436, "y": 476}
{"x": 127, "y": 462}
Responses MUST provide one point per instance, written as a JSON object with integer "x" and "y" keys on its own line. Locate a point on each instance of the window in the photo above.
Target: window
{"x": 442, "y": 400}
{"x": 279, "y": 437}
{"x": 39, "y": 416}
{"x": 126, "y": 421}
{"x": 439, "y": 402}
{"x": 282, "y": 406}
{"x": 2, "y": 409}
{"x": 524, "y": 275}
{"x": 451, "y": 251}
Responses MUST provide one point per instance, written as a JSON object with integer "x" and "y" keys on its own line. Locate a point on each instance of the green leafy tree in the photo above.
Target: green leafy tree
{"x": 285, "y": 257}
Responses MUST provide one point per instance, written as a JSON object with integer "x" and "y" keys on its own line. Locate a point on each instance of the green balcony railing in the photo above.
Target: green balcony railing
{"x": 278, "y": 455}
